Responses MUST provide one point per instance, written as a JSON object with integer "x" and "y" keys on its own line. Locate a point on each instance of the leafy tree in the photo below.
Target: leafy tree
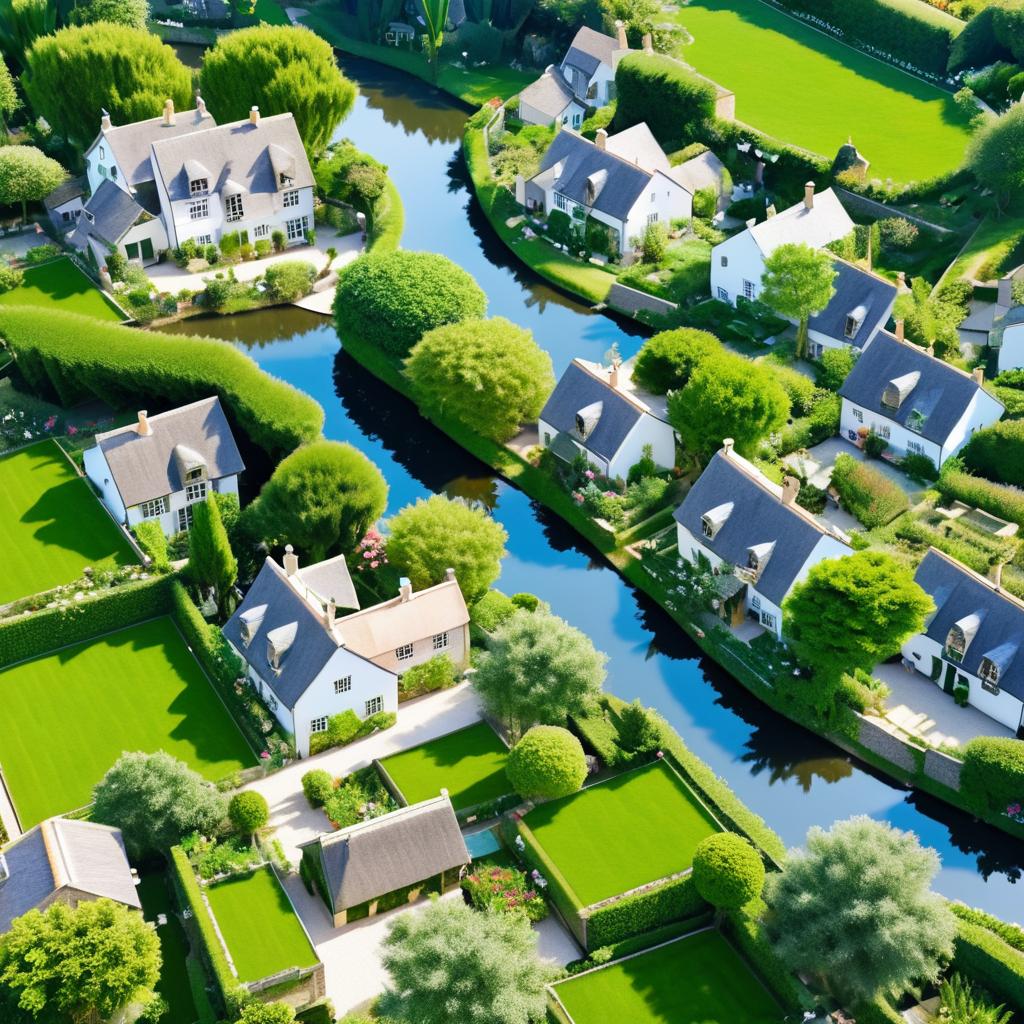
{"x": 26, "y": 173}
{"x": 653, "y": 243}
{"x": 248, "y": 812}
{"x": 435, "y": 14}
{"x": 436, "y": 534}
{"x": 930, "y": 320}
{"x": 727, "y": 396}
{"x": 211, "y": 562}
{"x": 267, "y": 1013}
{"x": 451, "y": 963}
{"x": 127, "y": 71}
{"x": 641, "y": 17}
{"x": 638, "y": 730}
{"x": 855, "y": 907}
{"x": 996, "y": 155}
{"x": 9, "y": 101}
{"x": 834, "y": 367}
{"x": 133, "y": 13}
{"x": 666, "y": 360}
{"x": 10, "y": 278}
{"x": 488, "y": 374}
{"x": 727, "y": 871}
{"x": 322, "y": 498}
{"x": 797, "y": 283}
{"x": 548, "y": 762}
{"x": 22, "y": 22}
{"x": 156, "y": 800}
{"x": 278, "y": 68}
{"x": 997, "y": 452}
{"x": 539, "y": 669}
{"x": 82, "y": 964}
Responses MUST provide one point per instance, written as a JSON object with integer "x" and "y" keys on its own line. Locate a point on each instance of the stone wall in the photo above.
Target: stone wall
{"x": 630, "y": 300}
{"x": 882, "y": 742}
{"x": 943, "y": 768}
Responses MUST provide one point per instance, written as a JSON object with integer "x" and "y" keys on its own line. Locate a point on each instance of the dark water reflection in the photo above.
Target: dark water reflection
{"x": 790, "y": 776}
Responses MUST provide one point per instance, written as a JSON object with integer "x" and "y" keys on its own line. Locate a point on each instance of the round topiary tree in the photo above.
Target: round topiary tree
{"x": 248, "y": 812}
{"x": 547, "y": 762}
{"x": 727, "y": 871}
{"x": 391, "y": 301}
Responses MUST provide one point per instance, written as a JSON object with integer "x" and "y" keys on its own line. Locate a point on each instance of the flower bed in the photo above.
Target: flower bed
{"x": 505, "y": 891}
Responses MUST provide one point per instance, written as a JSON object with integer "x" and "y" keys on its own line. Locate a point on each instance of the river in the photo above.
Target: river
{"x": 791, "y": 777}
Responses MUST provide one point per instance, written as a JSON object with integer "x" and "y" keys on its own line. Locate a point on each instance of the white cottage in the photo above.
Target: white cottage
{"x": 309, "y": 660}
{"x": 159, "y": 467}
{"x": 1007, "y": 338}
{"x": 920, "y": 405}
{"x": 860, "y": 307}
{"x": 973, "y": 640}
{"x": 735, "y": 516}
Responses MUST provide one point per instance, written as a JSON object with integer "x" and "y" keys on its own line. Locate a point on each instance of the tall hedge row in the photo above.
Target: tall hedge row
{"x": 75, "y": 358}
{"x": 643, "y": 911}
{"x": 989, "y": 962}
{"x": 996, "y": 499}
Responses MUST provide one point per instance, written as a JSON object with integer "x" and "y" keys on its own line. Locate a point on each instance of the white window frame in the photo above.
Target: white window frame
{"x": 749, "y": 290}
{"x": 652, "y": 218}
{"x": 198, "y": 185}
{"x": 152, "y": 509}
{"x": 374, "y": 705}
{"x": 199, "y": 209}
{"x": 440, "y": 641}
{"x": 882, "y": 430}
{"x": 295, "y": 229}
{"x": 858, "y": 415}
{"x": 343, "y": 685}
{"x": 769, "y": 621}
{"x": 261, "y": 231}
{"x": 319, "y": 724}
{"x": 404, "y": 652}
{"x": 203, "y": 239}
{"x": 195, "y": 491}
{"x": 233, "y": 209}
{"x": 561, "y": 202}
{"x": 723, "y": 295}
{"x": 291, "y": 198}
{"x": 915, "y": 448}
{"x": 184, "y": 518}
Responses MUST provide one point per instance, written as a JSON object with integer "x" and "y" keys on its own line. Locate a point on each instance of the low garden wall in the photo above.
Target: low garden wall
{"x": 632, "y": 301}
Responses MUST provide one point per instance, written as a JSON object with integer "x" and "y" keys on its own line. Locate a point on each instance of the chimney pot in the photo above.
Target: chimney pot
{"x": 978, "y": 373}
{"x": 168, "y": 111}
{"x": 727, "y": 445}
{"x": 809, "y": 195}
{"x": 332, "y": 612}
{"x": 901, "y": 280}
{"x": 291, "y": 560}
{"x": 105, "y": 123}
{"x": 648, "y": 43}
{"x": 254, "y": 115}
{"x": 620, "y": 35}
{"x": 449, "y": 574}
{"x": 899, "y": 330}
{"x": 200, "y": 104}
{"x": 613, "y": 374}
{"x": 405, "y": 588}
{"x": 143, "y": 428}
{"x": 601, "y": 139}
{"x": 790, "y": 489}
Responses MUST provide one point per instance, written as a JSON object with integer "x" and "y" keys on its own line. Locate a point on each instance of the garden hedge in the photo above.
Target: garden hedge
{"x": 997, "y": 499}
{"x": 986, "y": 959}
{"x": 867, "y": 493}
{"x": 75, "y": 358}
{"x": 1011, "y": 934}
{"x": 643, "y": 911}
{"x": 997, "y": 452}
{"x": 993, "y": 774}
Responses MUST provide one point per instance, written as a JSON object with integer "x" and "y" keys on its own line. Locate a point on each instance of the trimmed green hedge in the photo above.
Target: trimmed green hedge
{"x": 997, "y": 499}
{"x": 643, "y": 912}
{"x": 990, "y": 962}
{"x": 1011, "y": 934}
{"x": 997, "y": 452}
{"x": 867, "y": 493}
{"x": 76, "y": 358}
{"x": 993, "y": 774}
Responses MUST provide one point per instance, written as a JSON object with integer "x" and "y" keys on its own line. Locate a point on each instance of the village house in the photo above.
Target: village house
{"x": 599, "y": 412}
{"x": 158, "y": 467}
{"x": 859, "y": 308}
{"x": 64, "y": 861}
{"x": 972, "y": 646}
{"x": 308, "y": 662}
{"x": 550, "y": 100}
{"x": 1007, "y": 338}
{"x": 65, "y": 203}
{"x": 736, "y": 521}
{"x": 919, "y": 404}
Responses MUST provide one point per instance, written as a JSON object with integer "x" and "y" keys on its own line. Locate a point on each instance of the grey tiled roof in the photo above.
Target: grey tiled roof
{"x": 758, "y": 516}
{"x": 855, "y": 288}
{"x": 146, "y": 467}
{"x": 590, "y": 49}
{"x": 578, "y": 389}
{"x": 957, "y": 593}
{"x": 375, "y": 857}
{"x": 331, "y": 578}
{"x": 550, "y": 94}
{"x": 70, "y": 189}
{"x": 938, "y": 400}
{"x": 130, "y": 142}
{"x": 113, "y": 212}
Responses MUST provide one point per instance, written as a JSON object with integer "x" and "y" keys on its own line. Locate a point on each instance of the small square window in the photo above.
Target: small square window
{"x": 403, "y": 653}
{"x": 197, "y": 186}
{"x": 291, "y": 198}
{"x": 440, "y": 641}
{"x": 343, "y": 685}
{"x": 199, "y": 209}
{"x": 233, "y": 207}
{"x": 154, "y": 508}
{"x": 196, "y": 491}
{"x": 373, "y": 705}
{"x": 318, "y": 724}
{"x": 858, "y": 415}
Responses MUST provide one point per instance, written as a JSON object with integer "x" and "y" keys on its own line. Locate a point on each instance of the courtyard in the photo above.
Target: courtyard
{"x": 60, "y": 284}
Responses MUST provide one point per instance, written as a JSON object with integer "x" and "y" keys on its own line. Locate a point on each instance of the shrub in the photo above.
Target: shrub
{"x": 248, "y": 812}
{"x": 997, "y": 499}
{"x": 505, "y": 891}
{"x": 653, "y": 243}
{"x": 43, "y": 253}
{"x": 993, "y": 774}
{"x": 705, "y": 202}
{"x": 644, "y": 911}
{"x": 988, "y": 961}
{"x": 727, "y": 871}
{"x": 153, "y": 541}
{"x": 666, "y": 360}
{"x": 638, "y": 730}
{"x": 548, "y": 762}
{"x": 867, "y": 493}
{"x": 9, "y": 278}
{"x": 289, "y": 280}
{"x": 997, "y": 452}
{"x": 834, "y": 367}
{"x": 317, "y": 785}
{"x": 346, "y": 727}
{"x": 898, "y": 232}
{"x": 278, "y": 240}
{"x": 919, "y": 467}
{"x": 875, "y": 445}
{"x": 800, "y": 390}
{"x": 492, "y": 610}
{"x": 435, "y": 674}
{"x": 263, "y": 248}
{"x": 531, "y": 602}
{"x": 393, "y": 300}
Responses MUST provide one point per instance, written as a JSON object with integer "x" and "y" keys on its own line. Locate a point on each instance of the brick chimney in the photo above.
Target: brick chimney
{"x": 899, "y": 330}
{"x": 620, "y": 35}
{"x": 790, "y": 489}
{"x": 200, "y": 105}
{"x": 254, "y": 116}
{"x": 142, "y": 428}
{"x": 168, "y": 111}
{"x": 978, "y": 373}
{"x": 727, "y": 445}
{"x": 809, "y": 196}
{"x": 291, "y": 560}
{"x": 601, "y": 139}
{"x": 901, "y": 281}
{"x": 613, "y": 374}
{"x": 405, "y": 589}
{"x": 648, "y": 44}
{"x": 995, "y": 574}
{"x": 105, "y": 123}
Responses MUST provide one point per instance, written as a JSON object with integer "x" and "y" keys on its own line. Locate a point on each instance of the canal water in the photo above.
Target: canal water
{"x": 791, "y": 777}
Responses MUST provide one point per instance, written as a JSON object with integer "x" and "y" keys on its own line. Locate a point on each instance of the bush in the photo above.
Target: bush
{"x": 802, "y": 394}
{"x": 919, "y": 467}
{"x": 346, "y": 727}
{"x": 548, "y": 762}
{"x": 9, "y": 278}
{"x": 999, "y": 500}
{"x": 289, "y": 280}
{"x": 392, "y": 300}
{"x": 867, "y": 493}
{"x": 263, "y": 248}
{"x": 705, "y": 202}
{"x": 278, "y": 240}
{"x": 638, "y": 730}
{"x": 834, "y": 367}
{"x": 993, "y": 775}
{"x": 997, "y": 452}
{"x": 436, "y": 674}
{"x": 504, "y": 891}
{"x": 898, "y": 232}
{"x": 43, "y": 253}
{"x": 666, "y": 360}
{"x": 248, "y": 812}
{"x": 644, "y": 911}
{"x": 531, "y": 602}
{"x": 875, "y": 445}
{"x": 492, "y": 610}
{"x": 990, "y": 962}
{"x": 317, "y": 785}
{"x": 727, "y": 871}
{"x": 153, "y": 541}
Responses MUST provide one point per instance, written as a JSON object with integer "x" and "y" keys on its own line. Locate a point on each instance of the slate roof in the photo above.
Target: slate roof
{"x": 378, "y": 856}
{"x": 957, "y": 593}
{"x": 331, "y": 578}
{"x": 550, "y": 94}
{"x": 855, "y": 289}
{"x": 703, "y": 171}
{"x": 144, "y": 467}
{"x": 113, "y": 213}
{"x": 578, "y": 389}
{"x": 758, "y": 516}
{"x": 65, "y": 192}
{"x": 638, "y": 146}
{"x": 63, "y": 854}
{"x": 825, "y": 222}
{"x": 938, "y": 400}
{"x": 589, "y": 50}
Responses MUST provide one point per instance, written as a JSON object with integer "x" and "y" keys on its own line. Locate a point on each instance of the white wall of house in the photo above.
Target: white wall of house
{"x": 97, "y": 470}
{"x": 64, "y": 216}
{"x": 647, "y": 430}
{"x": 663, "y": 200}
{"x": 453, "y": 642}
{"x": 983, "y": 411}
{"x": 132, "y": 244}
{"x": 547, "y": 434}
{"x": 572, "y": 115}
{"x": 817, "y": 341}
{"x": 101, "y": 165}
{"x": 736, "y": 268}
{"x": 598, "y": 90}
{"x": 1011, "y": 352}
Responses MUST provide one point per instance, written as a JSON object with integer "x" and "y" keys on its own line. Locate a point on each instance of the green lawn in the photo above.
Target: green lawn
{"x": 612, "y": 837}
{"x": 259, "y": 925}
{"x": 698, "y": 980}
{"x": 67, "y": 716}
{"x": 51, "y": 524}
{"x": 469, "y": 763}
{"x": 271, "y": 12}
{"x": 808, "y": 89}
{"x": 60, "y": 284}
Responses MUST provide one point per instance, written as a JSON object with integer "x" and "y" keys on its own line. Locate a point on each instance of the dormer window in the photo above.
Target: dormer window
{"x": 855, "y": 321}
{"x": 250, "y": 622}
{"x": 278, "y": 643}
{"x": 233, "y": 207}
{"x": 197, "y": 186}
{"x": 588, "y": 418}
{"x": 758, "y": 555}
{"x": 961, "y": 634}
{"x": 196, "y": 474}
{"x": 714, "y": 519}
{"x": 899, "y": 388}
{"x": 915, "y": 421}
{"x": 283, "y": 179}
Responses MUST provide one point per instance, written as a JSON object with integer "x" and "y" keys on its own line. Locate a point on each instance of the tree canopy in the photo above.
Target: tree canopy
{"x": 797, "y": 283}
{"x": 666, "y": 360}
{"x": 436, "y": 534}
{"x": 539, "y": 669}
{"x": 26, "y": 175}
{"x": 727, "y": 871}
{"x": 856, "y": 907}
{"x": 133, "y": 13}
{"x": 278, "y": 68}
{"x": 489, "y": 970}
{"x": 9, "y": 100}
{"x": 548, "y": 762}
{"x": 248, "y": 812}
{"x": 127, "y": 71}
{"x": 22, "y": 22}
{"x": 210, "y": 560}
{"x": 488, "y": 374}
{"x": 996, "y": 155}
{"x": 267, "y": 1013}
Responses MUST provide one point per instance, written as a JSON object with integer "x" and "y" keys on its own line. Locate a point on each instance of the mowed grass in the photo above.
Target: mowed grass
{"x": 259, "y": 925}
{"x": 469, "y": 763}
{"x": 51, "y": 524}
{"x": 68, "y": 716}
{"x": 614, "y": 836}
{"x": 697, "y": 980}
{"x": 60, "y": 284}
{"x": 811, "y": 90}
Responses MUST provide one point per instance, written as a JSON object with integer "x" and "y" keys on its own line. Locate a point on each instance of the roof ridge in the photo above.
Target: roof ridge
{"x": 864, "y": 270}
{"x": 607, "y": 152}
{"x": 395, "y": 602}
{"x": 996, "y": 589}
{"x": 625, "y": 395}
{"x": 408, "y": 811}
{"x": 226, "y": 124}
{"x": 54, "y": 850}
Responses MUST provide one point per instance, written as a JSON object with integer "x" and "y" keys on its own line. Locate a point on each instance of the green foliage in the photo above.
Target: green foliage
{"x": 22, "y": 22}
{"x": 280, "y": 69}
{"x": 867, "y": 493}
{"x": 875, "y": 445}
{"x": 988, "y": 961}
{"x": 354, "y": 177}
{"x": 993, "y": 33}
{"x": 80, "y": 964}
{"x": 317, "y": 785}
{"x": 504, "y": 891}
{"x": 1011, "y": 934}
{"x": 962, "y": 1005}
{"x": 996, "y": 155}
{"x": 248, "y": 812}
{"x": 797, "y": 283}
{"x": 898, "y": 232}
{"x": 705, "y": 202}
{"x": 493, "y": 609}
{"x": 638, "y": 729}
{"x": 211, "y": 563}
{"x": 487, "y": 374}
{"x": 289, "y": 280}
{"x": 727, "y": 871}
{"x": 77, "y": 358}
{"x": 997, "y": 452}
{"x": 437, "y": 673}
{"x": 993, "y": 774}
{"x": 653, "y": 243}
{"x": 643, "y": 911}
{"x": 153, "y": 541}
{"x": 10, "y": 278}
{"x": 358, "y": 797}
{"x": 133, "y": 13}
{"x": 267, "y": 1013}
{"x": 539, "y": 670}
{"x": 856, "y": 907}
{"x": 392, "y": 300}
{"x": 666, "y": 361}
{"x": 800, "y": 390}
{"x": 347, "y": 727}
{"x": 27, "y": 175}
{"x": 919, "y": 467}
{"x": 156, "y": 800}
{"x": 997, "y": 499}
{"x": 931, "y": 320}
{"x": 127, "y": 71}
{"x": 547, "y": 763}
{"x": 436, "y": 534}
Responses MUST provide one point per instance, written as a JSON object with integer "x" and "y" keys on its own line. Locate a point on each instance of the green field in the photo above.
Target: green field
{"x": 67, "y": 716}
{"x": 808, "y": 89}
{"x": 259, "y": 925}
{"x": 698, "y": 980}
{"x": 51, "y": 524}
{"x": 469, "y": 763}
{"x": 612, "y": 837}
{"x": 60, "y": 284}
{"x": 271, "y": 12}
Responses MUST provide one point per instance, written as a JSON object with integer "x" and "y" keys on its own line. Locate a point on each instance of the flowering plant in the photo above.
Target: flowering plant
{"x": 371, "y": 552}
{"x": 1015, "y": 812}
{"x": 504, "y": 890}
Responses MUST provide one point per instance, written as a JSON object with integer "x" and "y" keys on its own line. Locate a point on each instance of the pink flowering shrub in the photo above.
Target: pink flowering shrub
{"x": 371, "y": 552}
{"x": 504, "y": 890}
